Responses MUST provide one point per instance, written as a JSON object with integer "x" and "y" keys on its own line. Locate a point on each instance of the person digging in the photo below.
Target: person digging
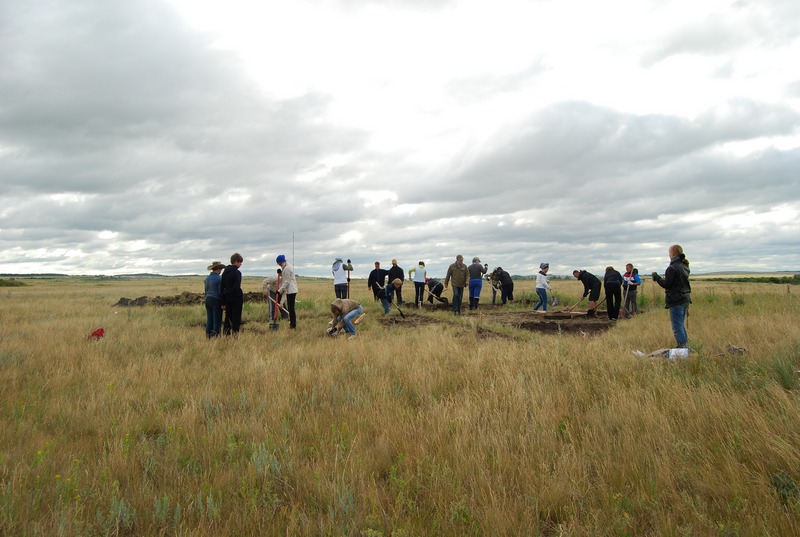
{"x": 344, "y": 310}
{"x": 591, "y": 288}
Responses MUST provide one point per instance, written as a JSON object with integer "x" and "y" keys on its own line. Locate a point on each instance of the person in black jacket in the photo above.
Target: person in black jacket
{"x": 591, "y": 288}
{"x": 377, "y": 280}
{"x": 232, "y": 296}
{"x": 395, "y": 273}
{"x": 506, "y": 284}
{"x": 612, "y": 283}
{"x": 677, "y": 292}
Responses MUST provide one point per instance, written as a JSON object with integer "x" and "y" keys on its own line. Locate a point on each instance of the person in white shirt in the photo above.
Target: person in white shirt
{"x": 288, "y": 288}
{"x": 542, "y": 286}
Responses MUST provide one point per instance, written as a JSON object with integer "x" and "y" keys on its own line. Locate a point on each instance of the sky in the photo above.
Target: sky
{"x": 160, "y": 135}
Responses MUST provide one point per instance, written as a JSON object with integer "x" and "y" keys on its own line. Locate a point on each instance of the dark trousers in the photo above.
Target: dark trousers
{"x": 341, "y": 290}
{"x": 391, "y": 291}
{"x": 290, "y": 299}
{"x": 458, "y": 295}
{"x": 631, "y": 308}
{"x": 233, "y": 316}
{"x": 613, "y": 299}
{"x": 419, "y": 292}
{"x": 274, "y": 309}
{"x": 507, "y": 292}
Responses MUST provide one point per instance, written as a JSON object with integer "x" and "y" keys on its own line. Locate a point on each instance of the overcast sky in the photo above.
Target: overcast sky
{"x": 158, "y": 136}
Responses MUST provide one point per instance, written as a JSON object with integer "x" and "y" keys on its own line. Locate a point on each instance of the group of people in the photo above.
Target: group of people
{"x": 620, "y": 290}
{"x": 223, "y": 291}
{"x": 223, "y": 294}
{"x": 387, "y": 285}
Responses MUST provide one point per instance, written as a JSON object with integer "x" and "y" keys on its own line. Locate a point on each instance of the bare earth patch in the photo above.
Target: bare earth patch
{"x": 579, "y": 326}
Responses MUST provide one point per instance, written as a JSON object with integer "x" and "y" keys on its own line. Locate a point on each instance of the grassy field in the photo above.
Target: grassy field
{"x": 411, "y": 429}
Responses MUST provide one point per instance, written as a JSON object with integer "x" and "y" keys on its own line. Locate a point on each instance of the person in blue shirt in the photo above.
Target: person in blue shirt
{"x": 213, "y": 293}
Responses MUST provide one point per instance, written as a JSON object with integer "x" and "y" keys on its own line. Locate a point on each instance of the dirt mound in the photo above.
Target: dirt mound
{"x": 184, "y": 299}
{"x": 578, "y": 326}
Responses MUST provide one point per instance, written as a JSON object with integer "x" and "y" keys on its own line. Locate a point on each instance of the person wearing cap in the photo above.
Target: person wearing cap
{"x": 341, "y": 277}
{"x": 476, "y": 272}
{"x": 458, "y": 273}
{"x": 213, "y": 301}
{"x": 232, "y": 295}
{"x": 418, "y": 275}
{"x": 396, "y": 273}
{"x": 542, "y": 286}
{"x": 288, "y": 288}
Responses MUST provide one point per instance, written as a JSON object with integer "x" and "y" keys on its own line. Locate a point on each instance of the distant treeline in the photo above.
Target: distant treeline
{"x": 789, "y": 280}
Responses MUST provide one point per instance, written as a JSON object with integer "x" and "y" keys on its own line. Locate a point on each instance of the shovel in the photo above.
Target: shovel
{"x": 569, "y": 309}
{"x": 276, "y": 304}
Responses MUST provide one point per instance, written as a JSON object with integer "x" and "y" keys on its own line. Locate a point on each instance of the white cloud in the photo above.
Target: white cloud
{"x": 159, "y": 136}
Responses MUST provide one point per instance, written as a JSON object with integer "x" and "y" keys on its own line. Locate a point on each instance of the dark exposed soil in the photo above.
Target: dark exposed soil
{"x": 579, "y": 326}
{"x": 184, "y": 299}
{"x": 486, "y": 316}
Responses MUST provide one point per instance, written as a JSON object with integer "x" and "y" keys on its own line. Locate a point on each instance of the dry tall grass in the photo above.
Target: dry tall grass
{"x": 430, "y": 430}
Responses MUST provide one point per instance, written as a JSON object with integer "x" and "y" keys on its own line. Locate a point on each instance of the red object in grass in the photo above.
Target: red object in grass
{"x": 98, "y": 334}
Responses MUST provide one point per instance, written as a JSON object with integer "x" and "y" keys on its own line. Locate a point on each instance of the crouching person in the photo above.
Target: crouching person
{"x": 344, "y": 310}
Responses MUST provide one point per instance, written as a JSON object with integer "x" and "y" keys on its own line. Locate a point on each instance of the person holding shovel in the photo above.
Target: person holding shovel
{"x": 396, "y": 273}
{"x": 476, "y": 272}
{"x": 591, "y": 288}
{"x": 270, "y": 289}
{"x": 341, "y": 277}
{"x": 344, "y": 310}
{"x": 288, "y": 288}
{"x": 677, "y": 291}
{"x": 542, "y": 287}
{"x": 630, "y": 284}
{"x": 435, "y": 289}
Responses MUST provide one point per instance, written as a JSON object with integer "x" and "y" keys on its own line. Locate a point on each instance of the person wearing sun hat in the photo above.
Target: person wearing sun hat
{"x": 213, "y": 301}
{"x": 288, "y": 288}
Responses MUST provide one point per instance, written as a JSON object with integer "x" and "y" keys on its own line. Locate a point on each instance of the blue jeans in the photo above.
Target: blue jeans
{"x": 677, "y": 315}
{"x": 542, "y": 298}
{"x": 213, "y": 316}
{"x": 348, "y": 320}
{"x": 458, "y": 296}
{"x": 475, "y": 286}
{"x": 386, "y": 305}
